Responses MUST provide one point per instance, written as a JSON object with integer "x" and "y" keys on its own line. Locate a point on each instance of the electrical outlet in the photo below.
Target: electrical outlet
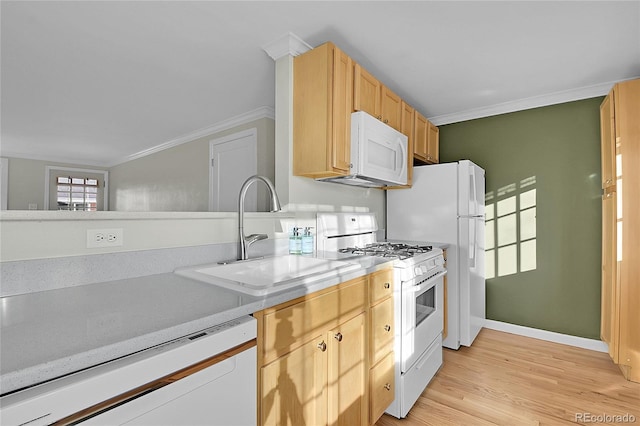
{"x": 97, "y": 238}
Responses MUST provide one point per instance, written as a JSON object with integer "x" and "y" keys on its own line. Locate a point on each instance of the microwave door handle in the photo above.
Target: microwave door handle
{"x": 403, "y": 155}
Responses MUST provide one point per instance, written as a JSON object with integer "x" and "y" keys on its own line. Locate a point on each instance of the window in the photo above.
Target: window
{"x": 77, "y": 193}
{"x": 75, "y": 189}
{"x": 510, "y": 229}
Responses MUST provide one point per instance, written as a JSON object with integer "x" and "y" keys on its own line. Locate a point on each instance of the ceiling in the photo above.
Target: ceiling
{"x": 98, "y": 82}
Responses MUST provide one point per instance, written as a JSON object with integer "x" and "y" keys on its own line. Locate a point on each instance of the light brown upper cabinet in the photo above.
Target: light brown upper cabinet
{"x": 373, "y": 97}
{"x": 322, "y": 106}
{"x": 620, "y": 301}
{"x": 367, "y": 92}
{"x": 391, "y": 108}
{"x": 327, "y": 87}
{"x": 426, "y": 143}
{"x": 433, "y": 144}
{"x": 421, "y": 135}
{"x": 408, "y": 128}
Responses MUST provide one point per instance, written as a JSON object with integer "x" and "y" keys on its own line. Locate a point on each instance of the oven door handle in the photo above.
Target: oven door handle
{"x": 427, "y": 284}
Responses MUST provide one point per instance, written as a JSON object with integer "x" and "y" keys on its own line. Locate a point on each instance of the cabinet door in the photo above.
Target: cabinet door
{"x": 382, "y": 330}
{"x": 322, "y": 107}
{"x": 347, "y": 373}
{"x": 380, "y": 285}
{"x": 407, "y": 128}
{"x": 381, "y": 387}
{"x": 627, "y": 111}
{"x": 366, "y": 92}
{"x": 342, "y": 106}
{"x": 433, "y": 143}
{"x": 421, "y": 133}
{"x": 607, "y": 141}
{"x": 293, "y": 387}
{"x": 391, "y": 108}
{"x": 609, "y": 319}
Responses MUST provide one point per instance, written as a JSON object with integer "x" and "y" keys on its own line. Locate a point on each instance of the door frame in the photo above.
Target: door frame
{"x": 253, "y": 133}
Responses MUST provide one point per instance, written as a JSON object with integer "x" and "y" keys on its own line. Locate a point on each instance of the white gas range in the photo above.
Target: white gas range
{"x": 418, "y": 298}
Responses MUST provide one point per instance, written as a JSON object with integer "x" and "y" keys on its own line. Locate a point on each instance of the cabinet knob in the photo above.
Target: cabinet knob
{"x": 387, "y": 386}
{"x": 338, "y": 337}
{"x": 387, "y": 328}
{"x": 322, "y": 346}
{"x": 387, "y": 285}
{"x": 379, "y": 117}
{"x": 386, "y": 121}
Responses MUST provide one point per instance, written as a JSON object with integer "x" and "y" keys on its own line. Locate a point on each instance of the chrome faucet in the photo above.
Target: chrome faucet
{"x": 245, "y": 241}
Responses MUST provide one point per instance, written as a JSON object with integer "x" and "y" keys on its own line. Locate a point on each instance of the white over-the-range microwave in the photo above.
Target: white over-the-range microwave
{"x": 378, "y": 154}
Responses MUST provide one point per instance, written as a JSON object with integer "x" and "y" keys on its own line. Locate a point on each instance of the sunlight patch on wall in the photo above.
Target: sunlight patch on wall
{"x": 510, "y": 229}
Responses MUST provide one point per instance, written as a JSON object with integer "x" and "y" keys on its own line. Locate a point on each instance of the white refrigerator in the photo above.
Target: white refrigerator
{"x": 446, "y": 205}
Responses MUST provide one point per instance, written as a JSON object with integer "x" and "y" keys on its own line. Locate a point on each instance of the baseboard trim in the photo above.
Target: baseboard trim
{"x": 550, "y": 336}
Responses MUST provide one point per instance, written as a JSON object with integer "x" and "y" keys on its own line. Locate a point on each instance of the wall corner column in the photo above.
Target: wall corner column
{"x": 282, "y": 51}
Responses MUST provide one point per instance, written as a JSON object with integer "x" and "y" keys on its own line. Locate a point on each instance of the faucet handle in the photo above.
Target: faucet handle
{"x": 250, "y": 239}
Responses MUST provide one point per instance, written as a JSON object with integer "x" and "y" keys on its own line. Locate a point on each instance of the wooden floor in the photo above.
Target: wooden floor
{"x": 505, "y": 379}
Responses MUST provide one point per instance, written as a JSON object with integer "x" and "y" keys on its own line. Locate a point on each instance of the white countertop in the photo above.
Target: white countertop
{"x": 52, "y": 333}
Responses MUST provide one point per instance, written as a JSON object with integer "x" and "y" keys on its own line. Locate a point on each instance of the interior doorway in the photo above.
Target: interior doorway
{"x": 233, "y": 159}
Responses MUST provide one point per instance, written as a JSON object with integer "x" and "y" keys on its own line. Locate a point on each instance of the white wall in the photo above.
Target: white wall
{"x": 177, "y": 179}
{"x": 28, "y": 235}
{"x": 26, "y": 178}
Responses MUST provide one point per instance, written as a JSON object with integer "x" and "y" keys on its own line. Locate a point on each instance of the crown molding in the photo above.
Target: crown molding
{"x": 524, "y": 104}
{"x": 256, "y": 114}
{"x": 286, "y": 44}
{"x": 79, "y": 162}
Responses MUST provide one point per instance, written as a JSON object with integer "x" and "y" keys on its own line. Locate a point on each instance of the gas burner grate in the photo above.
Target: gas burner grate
{"x": 399, "y": 250}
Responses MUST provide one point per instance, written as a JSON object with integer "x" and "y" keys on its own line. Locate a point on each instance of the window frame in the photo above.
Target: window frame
{"x": 74, "y": 170}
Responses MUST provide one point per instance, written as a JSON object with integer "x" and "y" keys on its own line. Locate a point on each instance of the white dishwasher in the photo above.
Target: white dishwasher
{"x": 208, "y": 378}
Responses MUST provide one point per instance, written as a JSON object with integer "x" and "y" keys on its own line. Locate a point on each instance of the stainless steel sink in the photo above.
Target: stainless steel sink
{"x": 264, "y": 276}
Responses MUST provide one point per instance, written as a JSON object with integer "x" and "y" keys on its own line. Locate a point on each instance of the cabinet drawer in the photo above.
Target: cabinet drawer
{"x": 381, "y": 285}
{"x": 289, "y": 327}
{"x": 382, "y": 330}
{"x": 382, "y": 387}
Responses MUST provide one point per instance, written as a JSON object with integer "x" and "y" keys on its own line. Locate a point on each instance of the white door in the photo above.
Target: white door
{"x": 233, "y": 159}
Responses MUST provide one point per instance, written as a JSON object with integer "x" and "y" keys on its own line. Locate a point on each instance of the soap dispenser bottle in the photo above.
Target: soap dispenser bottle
{"x": 307, "y": 241}
{"x": 295, "y": 241}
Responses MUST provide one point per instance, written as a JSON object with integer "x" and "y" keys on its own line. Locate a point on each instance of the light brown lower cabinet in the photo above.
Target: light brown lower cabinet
{"x": 381, "y": 390}
{"x": 314, "y": 360}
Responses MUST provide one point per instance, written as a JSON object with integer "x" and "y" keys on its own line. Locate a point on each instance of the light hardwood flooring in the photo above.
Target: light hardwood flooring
{"x": 505, "y": 379}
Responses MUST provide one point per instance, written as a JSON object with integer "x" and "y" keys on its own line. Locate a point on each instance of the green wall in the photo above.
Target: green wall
{"x": 560, "y": 146}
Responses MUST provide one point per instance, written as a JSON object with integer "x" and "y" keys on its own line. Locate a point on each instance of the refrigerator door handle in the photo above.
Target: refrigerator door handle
{"x": 472, "y": 247}
{"x": 474, "y": 195}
